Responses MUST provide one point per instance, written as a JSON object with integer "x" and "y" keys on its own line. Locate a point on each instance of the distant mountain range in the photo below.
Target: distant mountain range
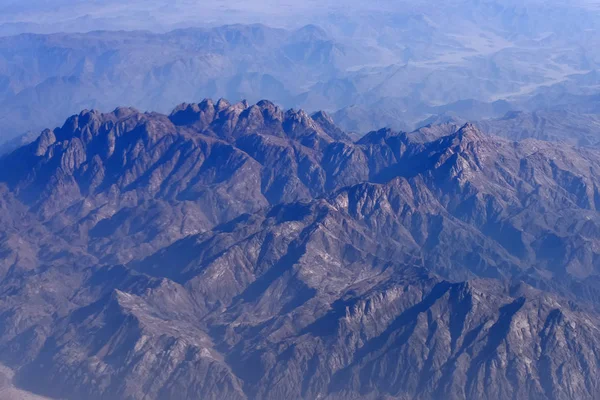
{"x": 43, "y": 78}
{"x": 238, "y": 251}
{"x": 395, "y": 65}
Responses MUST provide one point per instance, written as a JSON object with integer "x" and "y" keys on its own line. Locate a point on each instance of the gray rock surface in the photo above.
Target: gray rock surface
{"x": 237, "y": 251}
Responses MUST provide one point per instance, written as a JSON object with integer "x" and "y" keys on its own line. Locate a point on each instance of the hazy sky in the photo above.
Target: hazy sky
{"x": 81, "y": 15}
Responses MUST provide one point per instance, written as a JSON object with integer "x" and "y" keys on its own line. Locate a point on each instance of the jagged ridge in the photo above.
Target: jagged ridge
{"x": 161, "y": 255}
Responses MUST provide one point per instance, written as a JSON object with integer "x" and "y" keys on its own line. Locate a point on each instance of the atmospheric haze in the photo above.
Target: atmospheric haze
{"x": 413, "y": 60}
{"x": 239, "y": 200}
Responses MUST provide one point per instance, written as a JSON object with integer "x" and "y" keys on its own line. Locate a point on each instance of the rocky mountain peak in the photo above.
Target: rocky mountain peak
{"x": 207, "y": 104}
{"x": 310, "y": 33}
{"x": 378, "y": 137}
{"x": 322, "y": 117}
{"x": 326, "y": 123}
{"x": 232, "y": 121}
{"x": 270, "y": 111}
{"x": 222, "y": 104}
{"x": 470, "y": 132}
{"x": 406, "y": 265}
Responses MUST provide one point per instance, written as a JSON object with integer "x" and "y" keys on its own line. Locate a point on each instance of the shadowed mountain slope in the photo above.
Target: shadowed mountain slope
{"x": 237, "y": 251}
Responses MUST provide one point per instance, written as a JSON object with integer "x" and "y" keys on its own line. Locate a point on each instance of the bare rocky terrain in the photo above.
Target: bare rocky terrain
{"x": 9, "y": 392}
{"x": 237, "y": 251}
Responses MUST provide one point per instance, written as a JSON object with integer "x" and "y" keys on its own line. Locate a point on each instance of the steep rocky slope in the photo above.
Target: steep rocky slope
{"x": 244, "y": 251}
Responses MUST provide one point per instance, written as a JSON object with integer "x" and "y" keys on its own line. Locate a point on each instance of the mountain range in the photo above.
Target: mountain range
{"x": 239, "y": 251}
{"x": 396, "y": 64}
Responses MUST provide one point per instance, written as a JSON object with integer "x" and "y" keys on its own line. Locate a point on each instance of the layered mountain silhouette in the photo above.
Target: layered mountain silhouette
{"x": 237, "y": 251}
{"x": 470, "y": 59}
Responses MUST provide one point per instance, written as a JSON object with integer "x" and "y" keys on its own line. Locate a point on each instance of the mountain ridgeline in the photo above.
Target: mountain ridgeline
{"x": 237, "y": 251}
